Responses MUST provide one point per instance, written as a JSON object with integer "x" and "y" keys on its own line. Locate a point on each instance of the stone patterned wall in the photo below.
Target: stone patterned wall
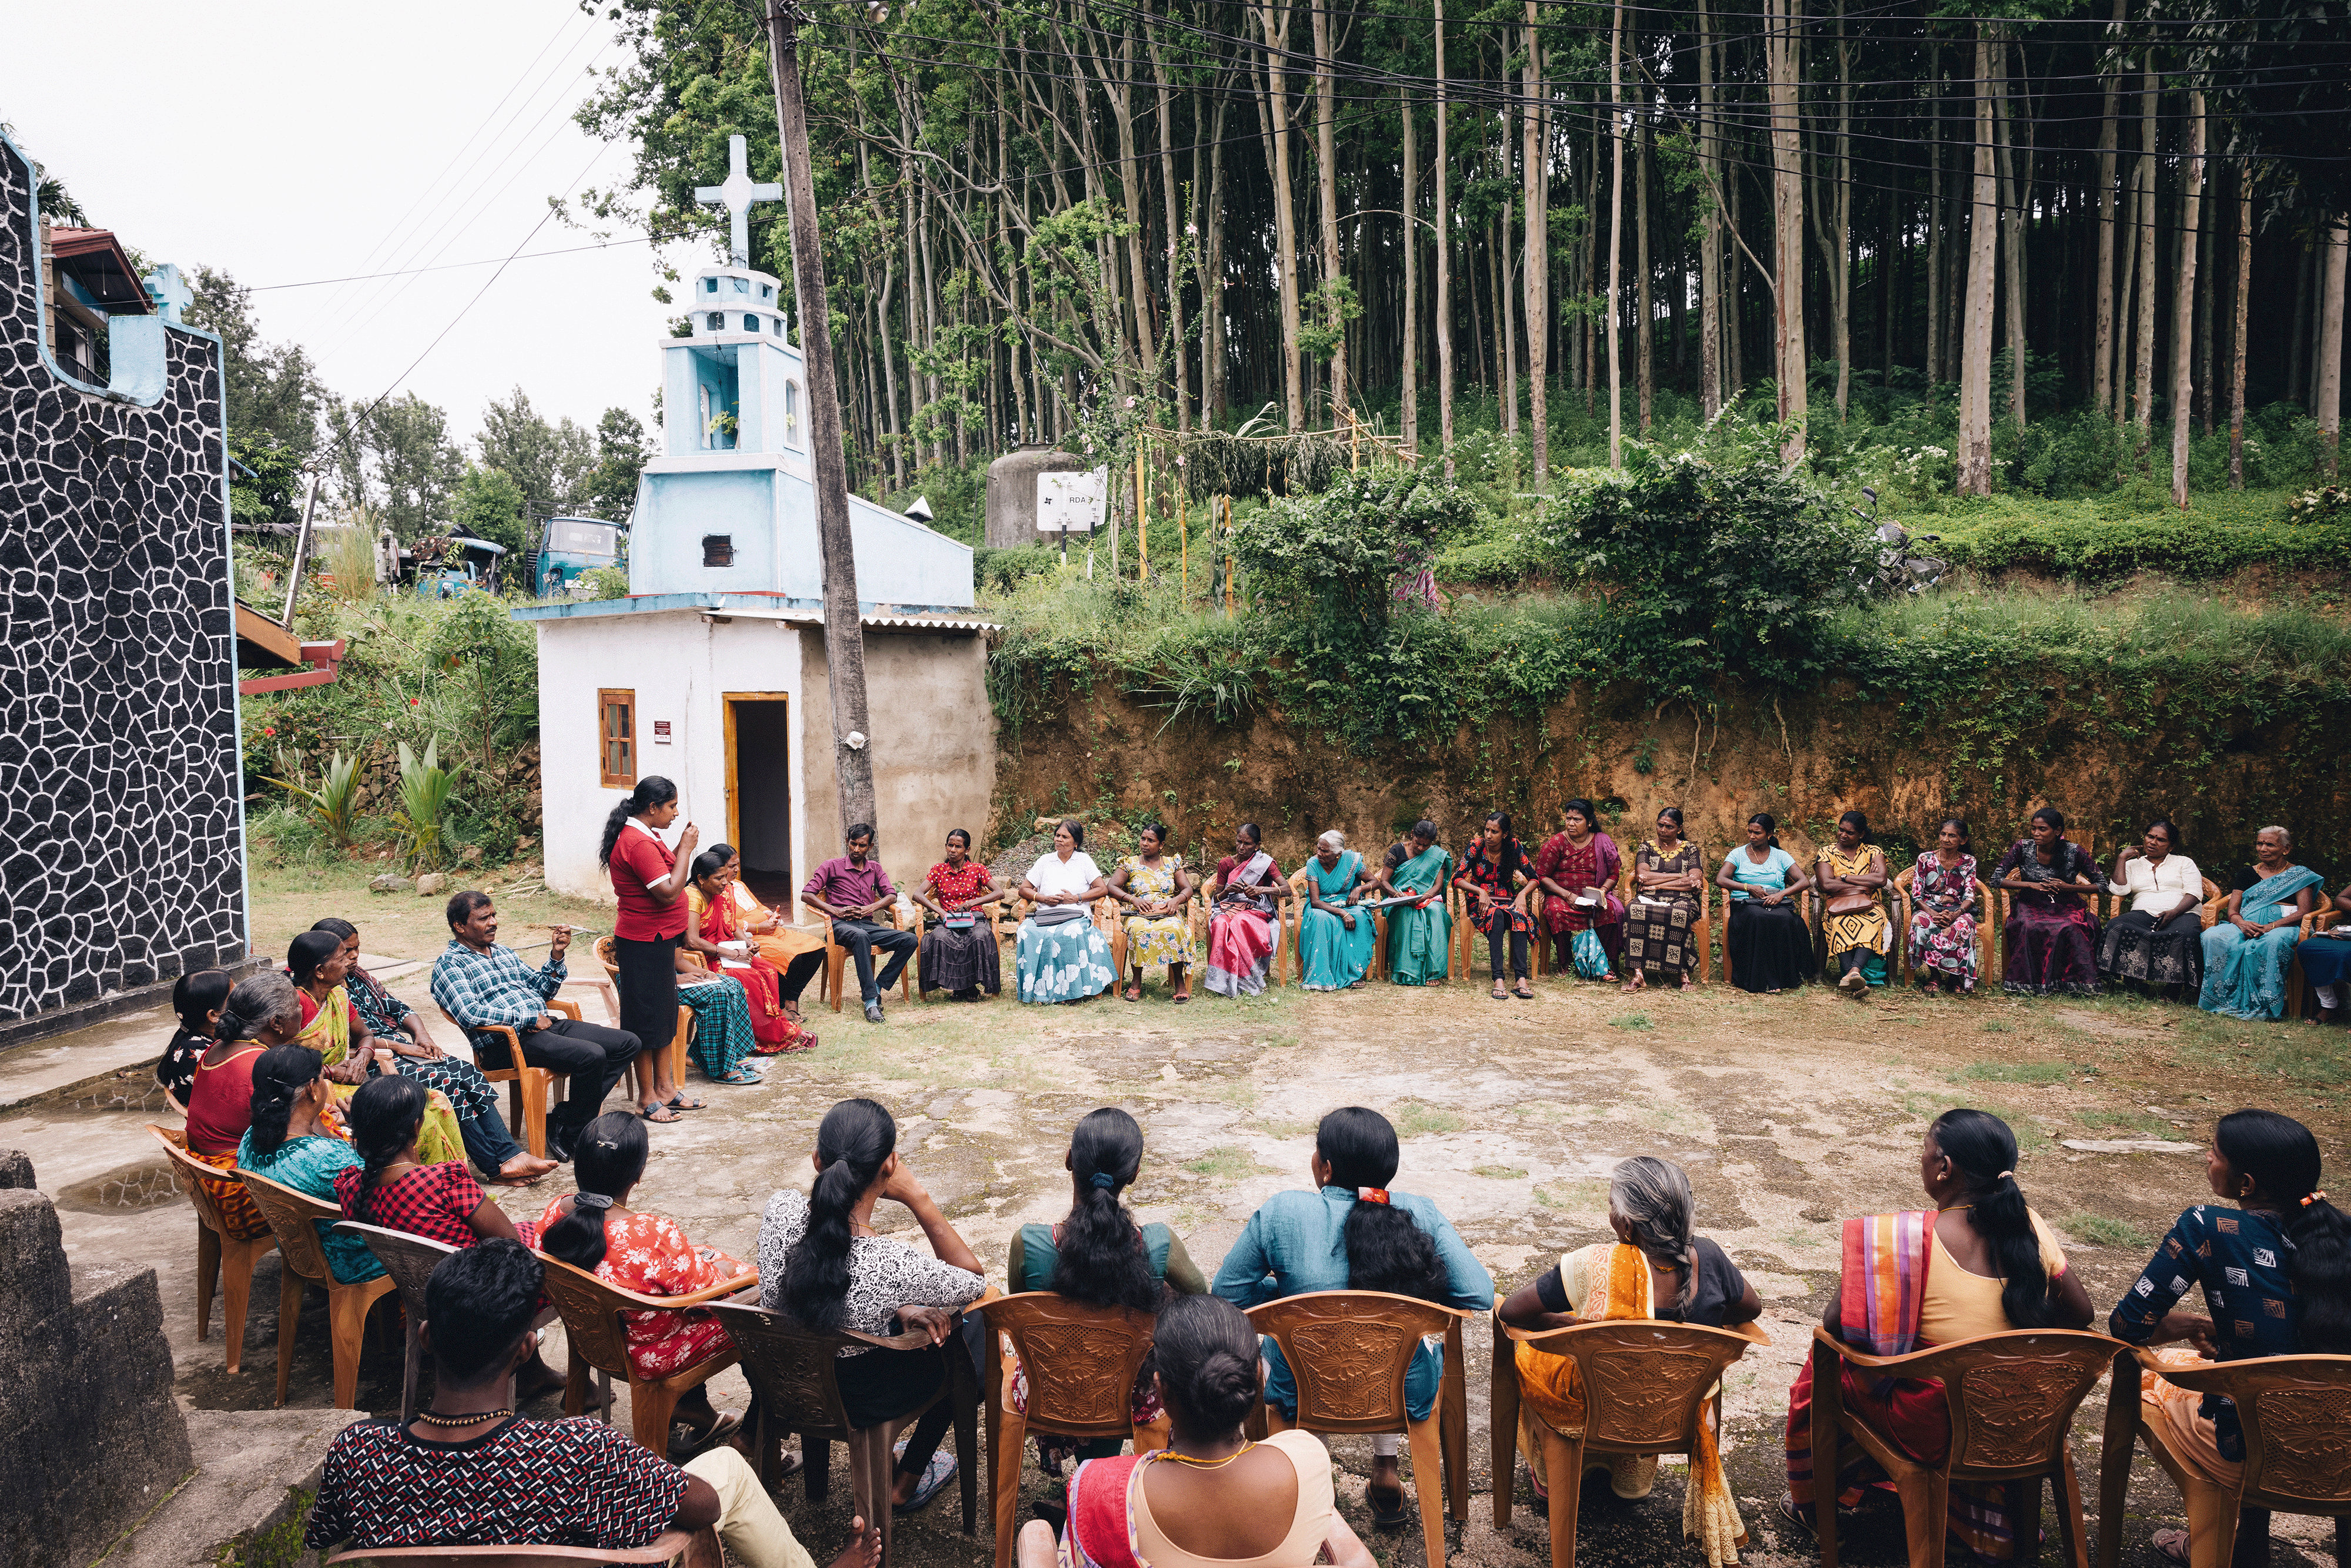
{"x": 121, "y": 833}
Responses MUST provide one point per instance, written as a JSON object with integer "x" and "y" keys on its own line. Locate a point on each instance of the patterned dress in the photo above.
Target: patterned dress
{"x": 1946, "y": 953}
{"x": 435, "y": 1202}
{"x": 1659, "y": 927}
{"x": 722, "y": 1026}
{"x": 1869, "y": 930}
{"x": 2049, "y": 932}
{"x": 1166, "y": 939}
{"x": 650, "y": 1255}
{"x": 469, "y": 1094}
{"x": 1494, "y": 874}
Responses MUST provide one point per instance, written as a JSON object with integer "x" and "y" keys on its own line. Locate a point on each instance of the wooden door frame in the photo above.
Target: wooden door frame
{"x": 727, "y": 701}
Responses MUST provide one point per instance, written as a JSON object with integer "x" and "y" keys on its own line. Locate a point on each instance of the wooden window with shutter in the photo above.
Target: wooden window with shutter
{"x": 616, "y": 738}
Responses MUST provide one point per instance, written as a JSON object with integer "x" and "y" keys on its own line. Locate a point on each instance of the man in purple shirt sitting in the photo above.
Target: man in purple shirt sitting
{"x": 853, "y": 892}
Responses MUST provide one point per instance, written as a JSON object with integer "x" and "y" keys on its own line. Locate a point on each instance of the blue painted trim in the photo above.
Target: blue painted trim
{"x": 719, "y": 603}
{"x": 41, "y": 304}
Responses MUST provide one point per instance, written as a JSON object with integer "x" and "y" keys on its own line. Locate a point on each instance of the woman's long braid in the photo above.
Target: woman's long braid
{"x": 853, "y": 1142}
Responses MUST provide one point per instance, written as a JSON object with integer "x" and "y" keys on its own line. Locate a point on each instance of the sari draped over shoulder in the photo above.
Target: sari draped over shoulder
{"x": 772, "y": 1029}
{"x": 1610, "y": 1280}
{"x": 1420, "y": 936}
{"x": 327, "y": 1030}
{"x": 1883, "y": 1301}
{"x": 1331, "y": 956}
{"x": 2244, "y": 977}
{"x": 1241, "y": 928}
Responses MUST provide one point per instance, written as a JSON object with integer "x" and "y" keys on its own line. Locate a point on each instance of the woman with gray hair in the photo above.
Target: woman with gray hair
{"x": 2248, "y": 949}
{"x": 1657, "y": 1268}
{"x": 1335, "y": 938}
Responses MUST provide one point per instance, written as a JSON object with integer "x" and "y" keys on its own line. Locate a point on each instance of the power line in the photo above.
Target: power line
{"x": 451, "y": 265}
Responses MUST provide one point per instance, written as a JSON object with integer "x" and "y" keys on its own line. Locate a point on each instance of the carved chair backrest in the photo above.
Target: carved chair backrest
{"x": 190, "y": 1172}
{"x": 1348, "y": 1353}
{"x": 1643, "y": 1382}
{"x": 794, "y": 1371}
{"x": 294, "y": 1216}
{"x": 2012, "y": 1396}
{"x": 409, "y": 1259}
{"x": 2296, "y": 1415}
{"x": 591, "y": 1315}
{"x": 603, "y": 951}
{"x": 1081, "y": 1361}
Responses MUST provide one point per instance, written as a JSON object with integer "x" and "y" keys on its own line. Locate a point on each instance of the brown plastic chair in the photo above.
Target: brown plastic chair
{"x": 678, "y": 1036}
{"x": 1081, "y": 1363}
{"x": 598, "y": 1344}
{"x": 408, "y": 1262}
{"x": 1647, "y": 1385}
{"x": 216, "y": 1250}
{"x": 2011, "y": 1396}
{"x": 796, "y": 1388}
{"x": 1701, "y": 931}
{"x": 836, "y": 955}
{"x": 2292, "y": 1410}
{"x": 1987, "y": 929}
{"x": 529, "y": 1089}
{"x": 667, "y": 1547}
{"x": 296, "y": 1217}
{"x": 1292, "y": 919}
{"x": 1348, "y": 1353}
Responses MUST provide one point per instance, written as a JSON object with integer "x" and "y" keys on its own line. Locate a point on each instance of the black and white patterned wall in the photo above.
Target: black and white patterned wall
{"x": 121, "y": 836}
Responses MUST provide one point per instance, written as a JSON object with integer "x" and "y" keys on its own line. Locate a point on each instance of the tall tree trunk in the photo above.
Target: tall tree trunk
{"x": 1444, "y": 264}
{"x": 1935, "y": 226}
{"x": 2143, "y": 407}
{"x": 2330, "y": 346}
{"x": 1645, "y": 371}
{"x": 2244, "y": 292}
{"x": 1840, "y": 263}
{"x": 2012, "y": 206}
{"x": 1326, "y": 179}
{"x": 1506, "y": 313}
{"x": 1177, "y": 343}
{"x": 2207, "y": 284}
{"x": 1409, "y": 370}
{"x": 1275, "y": 21}
{"x": 1781, "y": 44}
{"x": 2103, "y": 394}
{"x": 1534, "y": 157}
{"x": 2183, "y": 315}
{"x": 2124, "y": 314}
{"x": 1975, "y": 345}
{"x": 1734, "y": 321}
{"x": 1709, "y": 259}
{"x": 1616, "y": 233}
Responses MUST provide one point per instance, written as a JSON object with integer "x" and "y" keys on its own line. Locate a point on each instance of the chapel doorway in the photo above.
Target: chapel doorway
{"x": 760, "y": 794}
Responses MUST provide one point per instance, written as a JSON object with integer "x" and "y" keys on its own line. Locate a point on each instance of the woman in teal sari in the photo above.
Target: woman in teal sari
{"x": 1335, "y": 940}
{"x": 2248, "y": 949}
{"x": 1419, "y": 934}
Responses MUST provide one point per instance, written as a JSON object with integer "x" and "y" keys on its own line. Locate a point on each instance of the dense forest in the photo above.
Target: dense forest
{"x": 1359, "y": 218}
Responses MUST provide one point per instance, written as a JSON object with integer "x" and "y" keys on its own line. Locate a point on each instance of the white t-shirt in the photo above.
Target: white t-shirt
{"x": 1055, "y": 874}
{"x": 2152, "y": 884}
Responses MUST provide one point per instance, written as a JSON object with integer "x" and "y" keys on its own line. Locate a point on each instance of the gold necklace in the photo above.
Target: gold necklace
{"x": 1175, "y": 1457}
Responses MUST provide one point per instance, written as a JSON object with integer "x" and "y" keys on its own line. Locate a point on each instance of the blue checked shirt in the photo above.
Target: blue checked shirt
{"x": 496, "y": 986}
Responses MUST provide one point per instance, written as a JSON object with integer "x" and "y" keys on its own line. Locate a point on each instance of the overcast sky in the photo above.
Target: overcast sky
{"x": 290, "y": 142}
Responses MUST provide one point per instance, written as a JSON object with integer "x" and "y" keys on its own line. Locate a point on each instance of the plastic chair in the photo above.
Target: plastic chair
{"x": 1081, "y": 1363}
{"x": 1986, "y": 932}
{"x": 2325, "y": 917}
{"x": 296, "y": 1217}
{"x": 216, "y": 1250}
{"x": 529, "y": 1089}
{"x": 679, "y": 1037}
{"x": 835, "y": 955}
{"x": 2291, "y": 1409}
{"x": 2011, "y": 1396}
{"x": 1348, "y": 1353}
{"x": 1702, "y": 930}
{"x": 994, "y": 914}
{"x": 667, "y": 1547}
{"x": 796, "y": 1388}
{"x": 408, "y": 1262}
{"x": 1647, "y": 1387}
{"x": 599, "y": 1344}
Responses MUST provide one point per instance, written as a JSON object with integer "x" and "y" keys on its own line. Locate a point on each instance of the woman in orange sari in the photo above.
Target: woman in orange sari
{"x": 714, "y": 932}
{"x": 796, "y": 952}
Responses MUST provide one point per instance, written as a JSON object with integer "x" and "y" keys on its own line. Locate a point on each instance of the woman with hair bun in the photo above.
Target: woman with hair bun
{"x": 1657, "y": 1268}
{"x": 196, "y": 999}
{"x": 1212, "y": 1498}
{"x": 821, "y": 1262}
{"x": 1099, "y": 1257}
{"x": 649, "y": 882}
{"x": 318, "y": 961}
{"x": 1980, "y": 1261}
{"x": 2156, "y": 941}
{"x": 1764, "y": 943}
{"x": 2250, "y": 947}
{"x": 257, "y": 1013}
{"x": 1854, "y": 930}
{"x": 595, "y": 1229}
{"x": 1943, "y": 890}
{"x": 2049, "y": 932}
{"x": 1576, "y": 872}
{"x": 2275, "y": 1269}
{"x": 293, "y": 1143}
{"x": 1351, "y": 1233}
{"x": 1336, "y": 940}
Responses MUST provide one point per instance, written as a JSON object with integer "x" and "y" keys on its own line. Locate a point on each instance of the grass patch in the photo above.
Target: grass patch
{"x": 2103, "y": 1230}
{"x": 1499, "y": 1173}
{"x": 1993, "y": 1026}
{"x": 1632, "y": 1020}
{"x": 1577, "y": 1194}
{"x": 2014, "y": 1072}
{"x": 1225, "y": 1162}
{"x": 1415, "y": 1117}
{"x": 2135, "y": 1122}
{"x": 2031, "y": 1137}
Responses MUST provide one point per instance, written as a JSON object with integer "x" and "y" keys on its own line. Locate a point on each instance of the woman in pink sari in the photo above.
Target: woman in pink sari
{"x": 728, "y": 952}
{"x": 1571, "y": 863}
{"x": 1241, "y": 928}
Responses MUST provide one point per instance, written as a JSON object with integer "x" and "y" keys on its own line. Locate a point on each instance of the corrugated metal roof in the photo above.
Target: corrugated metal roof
{"x": 875, "y": 622}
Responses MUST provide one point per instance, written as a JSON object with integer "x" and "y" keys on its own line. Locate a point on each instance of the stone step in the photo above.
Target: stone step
{"x": 256, "y": 1473}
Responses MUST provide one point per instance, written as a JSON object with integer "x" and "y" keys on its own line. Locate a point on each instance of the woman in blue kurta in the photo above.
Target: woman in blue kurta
{"x": 2250, "y": 947}
{"x": 1352, "y": 1234}
{"x": 1335, "y": 940}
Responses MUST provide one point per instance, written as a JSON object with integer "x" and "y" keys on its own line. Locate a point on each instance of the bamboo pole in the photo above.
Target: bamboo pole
{"x": 1183, "y": 542}
{"x": 1142, "y": 522}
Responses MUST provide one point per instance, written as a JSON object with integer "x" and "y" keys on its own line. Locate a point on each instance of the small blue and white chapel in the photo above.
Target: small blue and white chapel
{"x": 712, "y": 671}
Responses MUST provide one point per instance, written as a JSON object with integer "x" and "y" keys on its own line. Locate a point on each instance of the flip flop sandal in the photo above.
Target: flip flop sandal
{"x": 741, "y": 1078}
{"x": 695, "y": 1442}
{"x": 682, "y": 1101}
{"x": 657, "y": 1111}
{"x": 1182, "y": 997}
{"x": 1522, "y": 995}
{"x": 2170, "y": 1545}
{"x": 936, "y": 1476}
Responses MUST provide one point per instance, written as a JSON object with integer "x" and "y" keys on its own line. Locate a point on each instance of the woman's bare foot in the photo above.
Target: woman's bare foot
{"x": 524, "y": 1167}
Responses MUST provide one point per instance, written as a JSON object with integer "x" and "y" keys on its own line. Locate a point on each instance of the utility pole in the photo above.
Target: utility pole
{"x": 844, "y": 637}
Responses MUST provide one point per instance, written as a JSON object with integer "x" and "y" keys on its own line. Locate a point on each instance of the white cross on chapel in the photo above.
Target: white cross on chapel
{"x": 737, "y": 196}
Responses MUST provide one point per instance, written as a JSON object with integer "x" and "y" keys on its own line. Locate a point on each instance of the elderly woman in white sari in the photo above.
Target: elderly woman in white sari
{"x": 1061, "y": 954}
{"x": 1241, "y": 901}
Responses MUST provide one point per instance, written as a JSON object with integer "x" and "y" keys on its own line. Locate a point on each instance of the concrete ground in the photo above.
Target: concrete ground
{"x": 1790, "y": 1112}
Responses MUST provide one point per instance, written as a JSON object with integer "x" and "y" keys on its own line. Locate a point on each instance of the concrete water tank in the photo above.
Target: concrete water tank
{"x": 1012, "y": 492}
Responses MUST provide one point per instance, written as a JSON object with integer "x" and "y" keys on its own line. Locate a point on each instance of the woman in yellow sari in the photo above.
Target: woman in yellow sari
{"x": 796, "y": 951}
{"x": 332, "y": 1027}
{"x": 1851, "y": 872}
{"x": 1655, "y": 1268}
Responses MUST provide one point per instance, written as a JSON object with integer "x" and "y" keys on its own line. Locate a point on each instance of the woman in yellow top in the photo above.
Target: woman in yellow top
{"x": 1980, "y": 1261}
{"x": 1851, "y": 874}
{"x": 797, "y": 953}
{"x": 332, "y": 1026}
{"x": 1655, "y": 1268}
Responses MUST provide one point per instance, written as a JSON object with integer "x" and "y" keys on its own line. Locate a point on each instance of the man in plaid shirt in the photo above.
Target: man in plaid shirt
{"x": 478, "y": 983}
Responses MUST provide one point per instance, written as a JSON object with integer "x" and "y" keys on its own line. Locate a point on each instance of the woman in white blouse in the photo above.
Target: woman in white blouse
{"x": 1061, "y": 954}
{"x": 821, "y": 1261}
{"x": 2158, "y": 940}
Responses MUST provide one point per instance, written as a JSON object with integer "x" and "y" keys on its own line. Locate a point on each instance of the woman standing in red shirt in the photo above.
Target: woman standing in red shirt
{"x": 649, "y": 882}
